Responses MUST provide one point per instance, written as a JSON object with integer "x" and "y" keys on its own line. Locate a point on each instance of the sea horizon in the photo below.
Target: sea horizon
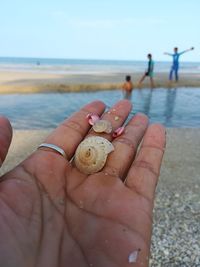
{"x": 85, "y": 66}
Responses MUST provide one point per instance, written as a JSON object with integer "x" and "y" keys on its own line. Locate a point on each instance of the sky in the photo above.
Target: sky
{"x": 99, "y": 29}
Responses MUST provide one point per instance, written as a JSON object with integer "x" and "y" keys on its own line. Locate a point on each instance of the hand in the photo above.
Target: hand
{"x": 53, "y": 215}
{"x": 5, "y": 138}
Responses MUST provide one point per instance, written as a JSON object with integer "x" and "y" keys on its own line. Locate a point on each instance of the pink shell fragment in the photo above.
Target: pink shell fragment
{"x": 118, "y": 131}
{"x": 92, "y": 118}
{"x": 133, "y": 257}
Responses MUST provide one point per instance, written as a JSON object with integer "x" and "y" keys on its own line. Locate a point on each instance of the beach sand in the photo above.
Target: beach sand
{"x": 33, "y": 82}
{"x": 176, "y": 231}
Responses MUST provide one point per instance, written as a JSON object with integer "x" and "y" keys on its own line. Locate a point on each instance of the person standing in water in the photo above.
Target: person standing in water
{"x": 175, "y": 63}
{"x": 149, "y": 73}
{"x": 127, "y": 87}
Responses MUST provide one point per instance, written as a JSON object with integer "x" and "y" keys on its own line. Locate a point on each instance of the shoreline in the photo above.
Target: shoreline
{"x": 12, "y": 82}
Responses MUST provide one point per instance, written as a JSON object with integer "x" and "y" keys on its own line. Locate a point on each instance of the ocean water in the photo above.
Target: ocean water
{"x": 171, "y": 107}
{"x": 81, "y": 66}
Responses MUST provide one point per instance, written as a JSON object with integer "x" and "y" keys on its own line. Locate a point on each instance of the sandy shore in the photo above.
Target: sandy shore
{"x": 29, "y": 82}
{"x": 176, "y": 231}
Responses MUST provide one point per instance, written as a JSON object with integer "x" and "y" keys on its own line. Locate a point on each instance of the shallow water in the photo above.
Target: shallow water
{"x": 171, "y": 107}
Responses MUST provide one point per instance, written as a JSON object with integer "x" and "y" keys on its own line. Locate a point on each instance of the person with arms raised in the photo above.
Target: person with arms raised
{"x": 175, "y": 64}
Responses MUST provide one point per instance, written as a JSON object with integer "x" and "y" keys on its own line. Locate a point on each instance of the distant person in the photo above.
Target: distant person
{"x": 175, "y": 63}
{"x": 127, "y": 87}
{"x": 149, "y": 73}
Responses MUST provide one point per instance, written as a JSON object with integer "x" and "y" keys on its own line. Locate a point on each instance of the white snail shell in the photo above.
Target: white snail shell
{"x": 101, "y": 126}
{"x": 91, "y": 154}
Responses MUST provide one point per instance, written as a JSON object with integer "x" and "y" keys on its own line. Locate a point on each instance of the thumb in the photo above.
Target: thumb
{"x": 5, "y": 138}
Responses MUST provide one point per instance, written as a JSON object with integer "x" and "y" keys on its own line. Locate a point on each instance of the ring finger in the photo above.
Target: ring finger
{"x": 126, "y": 146}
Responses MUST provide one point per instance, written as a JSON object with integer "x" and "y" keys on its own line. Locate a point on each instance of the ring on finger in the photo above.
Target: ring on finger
{"x": 54, "y": 148}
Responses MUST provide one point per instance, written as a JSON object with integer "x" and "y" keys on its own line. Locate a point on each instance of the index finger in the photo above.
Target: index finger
{"x": 71, "y": 132}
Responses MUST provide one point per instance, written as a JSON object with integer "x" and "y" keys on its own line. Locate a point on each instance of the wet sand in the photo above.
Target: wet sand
{"x": 32, "y": 82}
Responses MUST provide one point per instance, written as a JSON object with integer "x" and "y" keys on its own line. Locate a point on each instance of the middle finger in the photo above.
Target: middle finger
{"x": 117, "y": 115}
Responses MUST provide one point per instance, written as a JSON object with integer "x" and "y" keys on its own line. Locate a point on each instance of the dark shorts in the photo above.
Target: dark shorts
{"x": 149, "y": 74}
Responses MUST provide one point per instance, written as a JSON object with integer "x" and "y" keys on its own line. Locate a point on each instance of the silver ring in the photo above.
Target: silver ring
{"x": 54, "y": 147}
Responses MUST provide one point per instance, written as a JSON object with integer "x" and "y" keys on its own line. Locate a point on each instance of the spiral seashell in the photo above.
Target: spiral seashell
{"x": 101, "y": 126}
{"x": 91, "y": 154}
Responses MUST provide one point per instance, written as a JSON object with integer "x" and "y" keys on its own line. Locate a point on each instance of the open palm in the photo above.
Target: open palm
{"x": 53, "y": 215}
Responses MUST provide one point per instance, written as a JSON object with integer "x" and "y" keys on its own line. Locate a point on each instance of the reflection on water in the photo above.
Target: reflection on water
{"x": 171, "y": 107}
{"x": 147, "y": 102}
{"x": 170, "y": 103}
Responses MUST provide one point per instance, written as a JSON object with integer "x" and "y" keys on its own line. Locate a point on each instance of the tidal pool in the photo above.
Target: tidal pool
{"x": 171, "y": 107}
